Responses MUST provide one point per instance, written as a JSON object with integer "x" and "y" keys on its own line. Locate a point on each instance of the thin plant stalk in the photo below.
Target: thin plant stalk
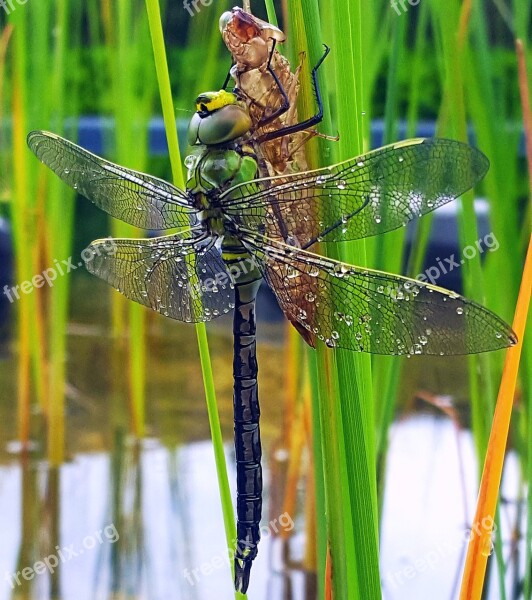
{"x": 61, "y": 213}
{"x": 19, "y": 219}
{"x": 132, "y": 112}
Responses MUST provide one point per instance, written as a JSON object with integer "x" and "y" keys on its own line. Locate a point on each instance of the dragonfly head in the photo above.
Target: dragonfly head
{"x": 220, "y": 118}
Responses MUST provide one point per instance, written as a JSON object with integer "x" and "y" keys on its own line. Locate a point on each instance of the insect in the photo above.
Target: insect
{"x": 238, "y": 229}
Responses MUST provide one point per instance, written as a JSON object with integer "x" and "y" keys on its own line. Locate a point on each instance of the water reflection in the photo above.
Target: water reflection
{"x": 143, "y": 521}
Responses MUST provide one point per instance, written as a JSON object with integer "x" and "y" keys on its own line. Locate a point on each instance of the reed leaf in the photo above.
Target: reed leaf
{"x": 344, "y": 444}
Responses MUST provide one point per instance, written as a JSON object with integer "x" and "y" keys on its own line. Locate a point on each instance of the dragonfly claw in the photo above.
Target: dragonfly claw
{"x": 242, "y": 572}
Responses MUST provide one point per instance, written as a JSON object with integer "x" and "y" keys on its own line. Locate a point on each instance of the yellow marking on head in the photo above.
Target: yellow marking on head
{"x": 208, "y": 102}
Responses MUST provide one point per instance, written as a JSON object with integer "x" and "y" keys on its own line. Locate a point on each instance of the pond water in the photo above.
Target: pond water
{"x": 143, "y": 520}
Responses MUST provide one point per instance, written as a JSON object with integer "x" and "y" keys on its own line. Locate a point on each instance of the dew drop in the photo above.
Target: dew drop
{"x": 487, "y": 547}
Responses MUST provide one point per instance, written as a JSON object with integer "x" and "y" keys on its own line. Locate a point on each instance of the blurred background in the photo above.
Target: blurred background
{"x": 106, "y": 463}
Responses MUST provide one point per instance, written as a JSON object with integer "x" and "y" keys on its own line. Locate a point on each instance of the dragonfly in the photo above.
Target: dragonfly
{"x": 236, "y": 228}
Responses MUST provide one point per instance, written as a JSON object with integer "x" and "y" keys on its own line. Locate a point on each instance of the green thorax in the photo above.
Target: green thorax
{"x": 219, "y": 167}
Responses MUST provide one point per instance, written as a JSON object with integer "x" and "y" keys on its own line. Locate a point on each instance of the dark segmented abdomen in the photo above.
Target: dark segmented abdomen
{"x": 247, "y": 434}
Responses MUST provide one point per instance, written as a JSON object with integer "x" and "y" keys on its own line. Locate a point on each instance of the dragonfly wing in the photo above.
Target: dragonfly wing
{"x": 181, "y": 276}
{"x": 361, "y": 197}
{"x": 136, "y": 198}
{"x": 372, "y": 311}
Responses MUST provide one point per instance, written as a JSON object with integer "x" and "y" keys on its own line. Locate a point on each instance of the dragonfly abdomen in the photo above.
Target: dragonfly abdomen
{"x": 247, "y": 435}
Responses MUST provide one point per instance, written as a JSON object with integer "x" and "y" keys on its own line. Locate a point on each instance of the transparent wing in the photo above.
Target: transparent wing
{"x": 364, "y": 196}
{"x": 181, "y": 276}
{"x": 133, "y": 197}
{"x": 372, "y": 311}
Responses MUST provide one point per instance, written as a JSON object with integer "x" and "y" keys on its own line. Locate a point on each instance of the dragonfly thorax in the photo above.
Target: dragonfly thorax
{"x": 211, "y": 171}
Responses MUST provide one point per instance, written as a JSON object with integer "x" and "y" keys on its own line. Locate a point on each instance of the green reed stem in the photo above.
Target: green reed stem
{"x": 20, "y": 218}
{"x": 61, "y": 213}
{"x": 388, "y": 256}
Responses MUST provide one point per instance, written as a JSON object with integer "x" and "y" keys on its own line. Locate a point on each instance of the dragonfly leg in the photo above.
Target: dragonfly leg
{"x": 314, "y": 120}
{"x": 227, "y": 77}
{"x": 285, "y": 104}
